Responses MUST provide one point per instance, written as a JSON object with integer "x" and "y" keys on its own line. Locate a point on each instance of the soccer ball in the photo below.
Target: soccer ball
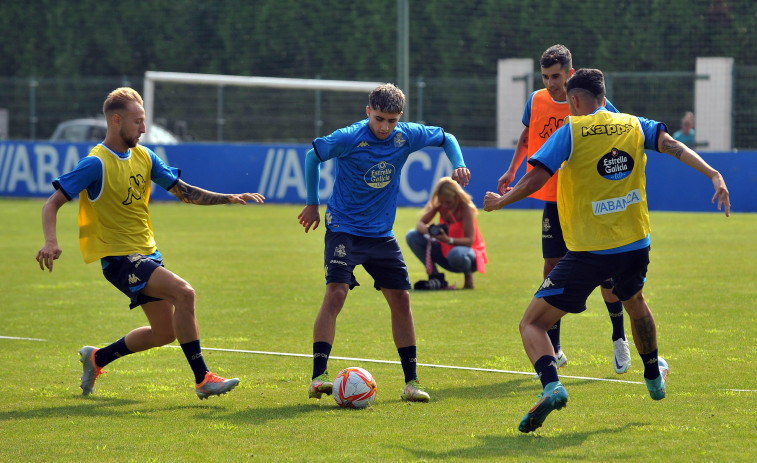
{"x": 354, "y": 387}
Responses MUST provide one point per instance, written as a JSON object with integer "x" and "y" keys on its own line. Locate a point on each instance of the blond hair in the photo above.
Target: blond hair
{"x": 119, "y": 98}
{"x": 448, "y": 188}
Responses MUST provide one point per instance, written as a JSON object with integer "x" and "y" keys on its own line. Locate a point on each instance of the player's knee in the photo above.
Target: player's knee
{"x": 636, "y": 306}
{"x": 185, "y": 296}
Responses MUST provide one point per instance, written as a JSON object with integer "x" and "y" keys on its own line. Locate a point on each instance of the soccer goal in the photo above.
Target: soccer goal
{"x": 281, "y": 94}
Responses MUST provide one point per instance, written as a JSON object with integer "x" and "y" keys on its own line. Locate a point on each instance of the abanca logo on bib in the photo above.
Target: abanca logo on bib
{"x": 379, "y": 175}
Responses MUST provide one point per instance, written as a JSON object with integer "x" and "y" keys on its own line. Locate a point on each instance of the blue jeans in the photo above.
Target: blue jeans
{"x": 461, "y": 259}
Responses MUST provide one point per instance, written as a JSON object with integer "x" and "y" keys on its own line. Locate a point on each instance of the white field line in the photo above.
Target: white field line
{"x": 452, "y": 367}
{"x": 22, "y": 339}
{"x": 394, "y": 362}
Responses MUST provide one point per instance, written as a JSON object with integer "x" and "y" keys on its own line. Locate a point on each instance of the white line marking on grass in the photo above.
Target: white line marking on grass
{"x": 452, "y": 367}
{"x": 22, "y": 339}
{"x": 394, "y": 362}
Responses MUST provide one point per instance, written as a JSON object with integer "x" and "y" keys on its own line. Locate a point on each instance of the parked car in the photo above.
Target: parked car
{"x": 94, "y": 129}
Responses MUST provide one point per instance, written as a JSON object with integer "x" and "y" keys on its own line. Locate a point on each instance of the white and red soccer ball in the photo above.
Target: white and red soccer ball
{"x": 354, "y": 387}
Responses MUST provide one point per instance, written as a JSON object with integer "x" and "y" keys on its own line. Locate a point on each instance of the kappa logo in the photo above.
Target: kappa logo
{"x": 137, "y": 188}
{"x": 606, "y": 129}
{"x": 547, "y": 283}
{"x": 328, "y": 218}
{"x": 340, "y": 250}
{"x": 399, "y": 140}
{"x": 550, "y": 127}
{"x": 545, "y": 225}
{"x": 363, "y": 144}
{"x": 133, "y": 279}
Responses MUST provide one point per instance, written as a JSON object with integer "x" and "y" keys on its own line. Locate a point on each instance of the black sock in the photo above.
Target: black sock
{"x": 107, "y": 354}
{"x": 546, "y": 368}
{"x": 554, "y": 336}
{"x": 407, "y": 358}
{"x": 193, "y": 352}
{"x": 321, "y": 352}
{"x": 651, "y": 368}
{"x": 616, "y": 317}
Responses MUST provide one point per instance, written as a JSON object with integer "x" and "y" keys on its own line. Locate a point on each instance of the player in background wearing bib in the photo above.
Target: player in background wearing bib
{"x": 545, "y": 112}
{"x": 603, "y": 208}
{"x": 113, "y": 184}
{"x": 368, "y": 158}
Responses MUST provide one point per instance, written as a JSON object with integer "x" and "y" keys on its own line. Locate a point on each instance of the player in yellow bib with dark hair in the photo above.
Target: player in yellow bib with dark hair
{"x": 603, "y": 209}
{"x": 113, "y": 184}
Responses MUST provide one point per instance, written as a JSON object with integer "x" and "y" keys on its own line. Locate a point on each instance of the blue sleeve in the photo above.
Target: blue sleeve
{"x": 88, "y": 174}
{"x": 337, "y": 144}
{"x": 527, "y": 112}
{"x": 610, "y": 107}
{"x": 312, "y": 177}
{"x": 420, "y": 136}
{"x": 651, "y": 131}
{"x": 161, "y": 173}
{"x": 452, "y": 149}
{"x": 555, "y": 150}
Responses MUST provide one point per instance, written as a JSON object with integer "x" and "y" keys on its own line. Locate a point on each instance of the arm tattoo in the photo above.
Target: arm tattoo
{"x": 194, "y": 195}
{"x": 673, "y": 148}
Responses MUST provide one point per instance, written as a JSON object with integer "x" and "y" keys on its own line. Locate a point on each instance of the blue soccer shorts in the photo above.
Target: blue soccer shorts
{"x": 130, "y": 274}
{"x": 380, "y": 257}
{"x": 552, "y": 241}
{"x": 577, "y": 274}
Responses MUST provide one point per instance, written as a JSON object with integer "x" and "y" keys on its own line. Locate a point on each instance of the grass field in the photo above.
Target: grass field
{"x": 259, "y": 281}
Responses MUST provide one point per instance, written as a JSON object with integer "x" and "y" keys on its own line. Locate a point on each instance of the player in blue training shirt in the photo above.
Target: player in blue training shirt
{"x": 368, "y": 158}
{"x": 113, "y": 184}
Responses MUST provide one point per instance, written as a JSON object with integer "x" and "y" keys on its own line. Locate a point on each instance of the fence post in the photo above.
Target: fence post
{"x": 33, "y": 84}
{"x": 219, "y": 116}
{"x": 421, "y": 84}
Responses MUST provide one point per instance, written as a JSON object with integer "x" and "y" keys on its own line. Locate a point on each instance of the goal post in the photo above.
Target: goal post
{"x": 151, "y": 77}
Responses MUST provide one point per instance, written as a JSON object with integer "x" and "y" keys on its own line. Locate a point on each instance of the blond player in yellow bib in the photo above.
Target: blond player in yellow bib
{"x": 113, "y": 184}
{"x": 603, "y": 209}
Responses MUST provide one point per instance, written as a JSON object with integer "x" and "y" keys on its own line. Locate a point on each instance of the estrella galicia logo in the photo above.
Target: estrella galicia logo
{"x": 399, "y": 140}
{"x": 137, "y": 187}
{"x": 380, "y": 175}
{"x": 550, "y": 127}
{"x": 615, "y": 165}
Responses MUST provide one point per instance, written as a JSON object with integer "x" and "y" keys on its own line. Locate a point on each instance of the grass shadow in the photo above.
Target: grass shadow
{"x": 87, "y": 406}
{"x": 520, "y": 445}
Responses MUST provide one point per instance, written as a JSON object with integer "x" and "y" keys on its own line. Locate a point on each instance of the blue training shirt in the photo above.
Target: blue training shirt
{"x": 88, "y": 174}
{"x": 367, "y": 174}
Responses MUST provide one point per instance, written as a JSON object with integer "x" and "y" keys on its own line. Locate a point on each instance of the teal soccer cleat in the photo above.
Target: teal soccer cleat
{"x": 657, "y": 386}
{"x": 554, "y": 397}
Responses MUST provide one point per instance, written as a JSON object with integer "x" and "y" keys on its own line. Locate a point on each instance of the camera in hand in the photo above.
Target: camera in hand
{"x": 436, "y": 230}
